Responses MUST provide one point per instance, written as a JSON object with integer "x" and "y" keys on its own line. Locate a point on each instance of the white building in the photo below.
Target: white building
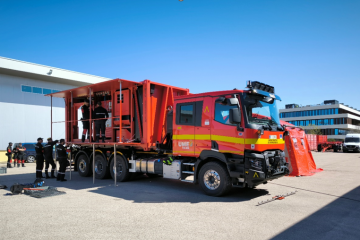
{"x": 24, "y": 110}
{"x": 334, "y": 119}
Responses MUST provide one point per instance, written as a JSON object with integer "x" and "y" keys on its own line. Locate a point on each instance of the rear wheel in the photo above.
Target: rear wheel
{"x": 83, "y": 166}
{"x": 319, "y": 148}
{"x": 30, "y": 159}
{"x": 101, "y": 167}
{"x": 214, "y": 179}
{"x": 122, "y": 171}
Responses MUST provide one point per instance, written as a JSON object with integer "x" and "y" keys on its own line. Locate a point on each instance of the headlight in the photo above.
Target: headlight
{"x": 256, "y": 163}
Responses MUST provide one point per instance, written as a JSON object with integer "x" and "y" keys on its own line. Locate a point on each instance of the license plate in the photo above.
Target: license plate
{"x": 350, "y": 150}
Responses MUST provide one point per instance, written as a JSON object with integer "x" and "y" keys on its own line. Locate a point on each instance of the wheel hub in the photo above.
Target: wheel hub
{"x": 82, "y": 166}
{"x": 98, "y": 167}
{"x": 211, "y": 179}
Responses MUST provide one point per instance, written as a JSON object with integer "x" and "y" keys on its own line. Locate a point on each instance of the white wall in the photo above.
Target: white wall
{"x": 25, "y": 123}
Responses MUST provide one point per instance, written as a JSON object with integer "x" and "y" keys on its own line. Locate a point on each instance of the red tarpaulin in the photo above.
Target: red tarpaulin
{"x": 298, "y": 153}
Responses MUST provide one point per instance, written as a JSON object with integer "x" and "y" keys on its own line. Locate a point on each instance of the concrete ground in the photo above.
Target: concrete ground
{"x": 326, "y": 206}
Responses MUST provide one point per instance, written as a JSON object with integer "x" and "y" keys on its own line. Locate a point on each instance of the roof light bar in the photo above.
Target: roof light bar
{"x": 260, "y": 86}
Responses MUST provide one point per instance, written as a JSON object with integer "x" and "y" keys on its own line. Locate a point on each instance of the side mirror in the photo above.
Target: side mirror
{"x": 234, "y": 116}
{"x": 232, "y": 101}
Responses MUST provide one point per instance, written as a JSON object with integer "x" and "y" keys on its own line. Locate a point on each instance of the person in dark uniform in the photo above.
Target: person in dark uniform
{"x": 48, "y": 154}
{"x": 21, "y": 155}
{"x": 100, "y": 112}
{"x": 62, "y": 158}
{"x": 9, "y": 152}
{"x": 15, "y": 156}
{"x": 85, "y": 115}
{"x": 39, "y": 149}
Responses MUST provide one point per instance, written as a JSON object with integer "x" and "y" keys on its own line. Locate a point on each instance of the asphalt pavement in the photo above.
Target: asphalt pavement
{"x": 326, "y": 206}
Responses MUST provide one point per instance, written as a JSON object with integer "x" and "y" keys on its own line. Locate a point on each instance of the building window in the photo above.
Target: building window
{"x": 46, "y": 91}
{"x": 54, "y": 91}
{"x": 37, "y": 90}
{"x": 25, "y": 88}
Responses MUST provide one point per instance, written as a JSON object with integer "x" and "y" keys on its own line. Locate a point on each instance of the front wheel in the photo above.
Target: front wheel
{"x": 30, "y": 159}
{"x": 214, "y": 179}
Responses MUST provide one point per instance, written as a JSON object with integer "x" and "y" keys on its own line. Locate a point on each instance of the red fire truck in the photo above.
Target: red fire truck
{"x": 217, "y": 139}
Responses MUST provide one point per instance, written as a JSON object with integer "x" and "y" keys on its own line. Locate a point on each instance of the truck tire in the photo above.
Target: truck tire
{"x": 319, "y": 148}
{"x": 214, "y": 179}
{"x": 84, "y": 166}
{"x": 101, "y": 167}
{"x": 122, "y": 171}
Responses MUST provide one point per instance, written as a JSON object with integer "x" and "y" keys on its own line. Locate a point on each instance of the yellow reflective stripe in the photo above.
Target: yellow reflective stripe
{"x": 209, "y": 137}
{"x": 227, "y": 139}
{"x": 202, "y": 137}
{"x": 263, "y": 141}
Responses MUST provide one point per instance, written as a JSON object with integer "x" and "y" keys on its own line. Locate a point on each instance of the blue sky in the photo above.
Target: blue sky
{"x": 309, "y": 50}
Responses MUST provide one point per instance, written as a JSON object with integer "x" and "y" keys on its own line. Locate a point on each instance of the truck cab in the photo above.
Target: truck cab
{"x": 238, "y": 128}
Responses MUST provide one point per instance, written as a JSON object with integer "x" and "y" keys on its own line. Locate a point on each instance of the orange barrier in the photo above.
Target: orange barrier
{"x": 298, "y": 153}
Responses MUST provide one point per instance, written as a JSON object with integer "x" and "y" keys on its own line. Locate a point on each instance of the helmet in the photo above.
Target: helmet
{"x": 39, "y": 139}
{"x": 49, "y": 138}
{"x": 10, "y": 143}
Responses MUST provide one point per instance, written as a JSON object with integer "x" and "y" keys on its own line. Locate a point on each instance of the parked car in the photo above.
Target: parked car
{"x": 30, "y": 151}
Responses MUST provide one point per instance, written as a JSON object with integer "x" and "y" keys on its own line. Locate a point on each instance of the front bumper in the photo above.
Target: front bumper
{"x": 266, "y": 170}
{"x": 351, "y": 148}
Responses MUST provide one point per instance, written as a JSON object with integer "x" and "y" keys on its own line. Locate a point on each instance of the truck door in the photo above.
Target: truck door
{"x": 225, "y": 137}
{"x": 203, "y": 124}
{"x": 184, "y": 129}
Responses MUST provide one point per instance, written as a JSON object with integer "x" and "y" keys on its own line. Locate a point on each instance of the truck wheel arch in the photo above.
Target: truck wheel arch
{"x": 208, "y": 156}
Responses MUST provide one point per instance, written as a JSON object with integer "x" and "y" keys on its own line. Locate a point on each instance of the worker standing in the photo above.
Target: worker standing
{"x": 49, "y": 160}
{"x": 85, "y": 116}
{"x": 62, "y": 158}
{"x": 21, "y": 155}
{"x": 39, "y": 149}
{"x": 15, "y": 156}
{"x": 100, "y": 112}
{"x": 8, "y": 154}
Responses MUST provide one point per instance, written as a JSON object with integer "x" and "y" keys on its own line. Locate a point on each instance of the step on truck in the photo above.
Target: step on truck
{"x": 219, "y": 139}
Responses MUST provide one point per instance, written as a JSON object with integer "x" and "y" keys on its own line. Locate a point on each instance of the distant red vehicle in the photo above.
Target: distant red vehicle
{"x": 218, "y": 139}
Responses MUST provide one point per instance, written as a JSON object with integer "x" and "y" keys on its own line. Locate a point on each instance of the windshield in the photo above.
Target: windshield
{"x": 352, "y": 140}
{"x": 261, "y": 110}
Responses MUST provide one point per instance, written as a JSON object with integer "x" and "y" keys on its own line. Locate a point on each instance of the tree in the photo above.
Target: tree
{"x": 313, "y": 129}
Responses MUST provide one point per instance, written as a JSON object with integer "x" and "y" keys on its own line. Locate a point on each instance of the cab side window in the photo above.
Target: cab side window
{"x": 222, "y": 113}
{"x": 187, "y": 114}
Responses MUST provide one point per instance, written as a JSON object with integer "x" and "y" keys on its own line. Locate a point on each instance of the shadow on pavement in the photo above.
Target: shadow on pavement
{"x": 338, "y": 220}
{"x": 140, "y": 190}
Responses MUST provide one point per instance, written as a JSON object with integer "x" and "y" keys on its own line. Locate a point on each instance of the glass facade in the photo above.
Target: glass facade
{"x": 319, "y": 122}
{"x": 310, "y": 113}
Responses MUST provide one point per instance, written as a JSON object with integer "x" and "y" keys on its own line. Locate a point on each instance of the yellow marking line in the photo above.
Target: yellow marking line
{"x": 228, "y": 139}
